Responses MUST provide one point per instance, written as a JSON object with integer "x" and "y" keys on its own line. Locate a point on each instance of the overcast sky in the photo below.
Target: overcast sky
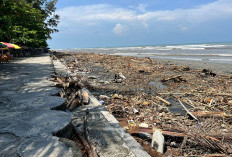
{"x": 113, "y": 23}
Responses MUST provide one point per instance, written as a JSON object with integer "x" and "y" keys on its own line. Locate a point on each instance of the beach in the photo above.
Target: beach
{"x": 145, "y": 94}
{"x": 221, "y": 68}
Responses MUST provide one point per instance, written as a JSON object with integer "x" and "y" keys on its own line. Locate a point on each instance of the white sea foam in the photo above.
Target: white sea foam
{"x": 206, "y": 52}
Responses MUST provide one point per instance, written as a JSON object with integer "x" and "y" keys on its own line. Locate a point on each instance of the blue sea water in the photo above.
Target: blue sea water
{"x": 220, "y": 53}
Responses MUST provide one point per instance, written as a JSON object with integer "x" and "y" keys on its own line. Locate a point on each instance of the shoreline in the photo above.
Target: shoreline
{"x": 221, "y": 68}
{"x": 147, "y": 97}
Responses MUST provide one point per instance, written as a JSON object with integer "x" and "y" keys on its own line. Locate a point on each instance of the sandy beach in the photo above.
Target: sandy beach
{"x": 221, "y": 68}
{"x": 145, "y": 94}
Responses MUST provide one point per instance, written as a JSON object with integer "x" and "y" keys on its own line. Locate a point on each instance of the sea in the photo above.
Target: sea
{"x": 220, "y": 53}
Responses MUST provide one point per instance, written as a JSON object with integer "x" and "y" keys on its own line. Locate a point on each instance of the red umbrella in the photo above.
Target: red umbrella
{"x": 9, "y": 45}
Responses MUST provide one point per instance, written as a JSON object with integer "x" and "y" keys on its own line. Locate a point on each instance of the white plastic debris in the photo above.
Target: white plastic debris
{"x": 158, "y": 141}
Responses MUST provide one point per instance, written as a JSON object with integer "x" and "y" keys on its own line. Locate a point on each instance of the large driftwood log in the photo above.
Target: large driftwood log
{"x": 211, "y": 114}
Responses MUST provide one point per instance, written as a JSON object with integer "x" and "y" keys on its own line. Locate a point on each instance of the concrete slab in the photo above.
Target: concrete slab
{"x": 32, "y": 123}
{"x": 26, "y": 118}
{"x": 9, "y": 145}
{"x": 44, "y": 146}
{"x": 35, "y": 102}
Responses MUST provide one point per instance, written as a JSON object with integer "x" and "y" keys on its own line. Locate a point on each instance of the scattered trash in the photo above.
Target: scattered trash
{"x": 139, "y": 110}
{"x": 104, "y": 97}
{"x": 102, "y": 101}
{"x": 131, "y": 123}
{"x": 158, "y": 141}
{"x": 135, "y": 111}
{"x": 206, "y": 72}
{"x": 116, "y": 96}
{"x": 143, "y": 125}
{"x": 119, "y": 77}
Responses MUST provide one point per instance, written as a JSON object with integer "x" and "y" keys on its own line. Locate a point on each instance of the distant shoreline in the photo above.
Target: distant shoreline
{"x": 221, "y": 68}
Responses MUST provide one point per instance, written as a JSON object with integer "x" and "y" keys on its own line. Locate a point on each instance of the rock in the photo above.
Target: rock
{"x": 158, "y": 141}
{"x": 85, "y": 97}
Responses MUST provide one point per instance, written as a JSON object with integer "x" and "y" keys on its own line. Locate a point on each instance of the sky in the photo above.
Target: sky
{"x": 117, "y": 23}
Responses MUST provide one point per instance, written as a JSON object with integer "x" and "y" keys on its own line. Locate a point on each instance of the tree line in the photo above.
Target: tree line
{"x": 28, "y": 22}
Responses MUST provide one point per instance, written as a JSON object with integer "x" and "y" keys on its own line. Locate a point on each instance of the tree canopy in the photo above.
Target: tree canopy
{"x": 28, "y": 22}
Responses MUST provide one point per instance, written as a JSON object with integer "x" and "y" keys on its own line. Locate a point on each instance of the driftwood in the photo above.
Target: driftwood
{"x": 213, "y": 155}
{"x": 165, "y": 101}
{"x": 60, "y": 80}
{"x": 62, "y": 93}
{"x": 177, "y": 134}
{"x": 188, "y": 111}
{"x": 83, "y": 141}
{"x": 177, "y": 78}
{"x": 74, "y": 100}
{"x": 211, "y": 114}
{"x": 203, "y": 140}
{"x": 84, "y": 138}
{"x": 74, "y": 104}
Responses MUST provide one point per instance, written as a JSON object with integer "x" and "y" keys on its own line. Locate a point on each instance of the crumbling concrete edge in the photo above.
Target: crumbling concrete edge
{"x": 132, "y": 144}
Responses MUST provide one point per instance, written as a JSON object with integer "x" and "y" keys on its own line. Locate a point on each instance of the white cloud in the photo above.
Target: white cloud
{"x": 120, "y": 29}
{"x": 93, "y": 14}
{"x": 142, "y": 7}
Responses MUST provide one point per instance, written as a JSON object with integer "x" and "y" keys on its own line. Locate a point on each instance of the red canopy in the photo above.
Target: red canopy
{"x": 8, "y": 45}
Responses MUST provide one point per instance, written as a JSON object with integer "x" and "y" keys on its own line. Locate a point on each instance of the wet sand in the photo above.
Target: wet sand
{"x": 222, "y": 68}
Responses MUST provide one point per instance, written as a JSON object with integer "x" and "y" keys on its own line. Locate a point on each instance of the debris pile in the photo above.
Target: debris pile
{"x": 72, "y": 90}
{"x": 193, "y": 112}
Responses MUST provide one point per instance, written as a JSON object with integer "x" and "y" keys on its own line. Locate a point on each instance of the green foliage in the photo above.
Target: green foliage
{"x": 28, "y": 22}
